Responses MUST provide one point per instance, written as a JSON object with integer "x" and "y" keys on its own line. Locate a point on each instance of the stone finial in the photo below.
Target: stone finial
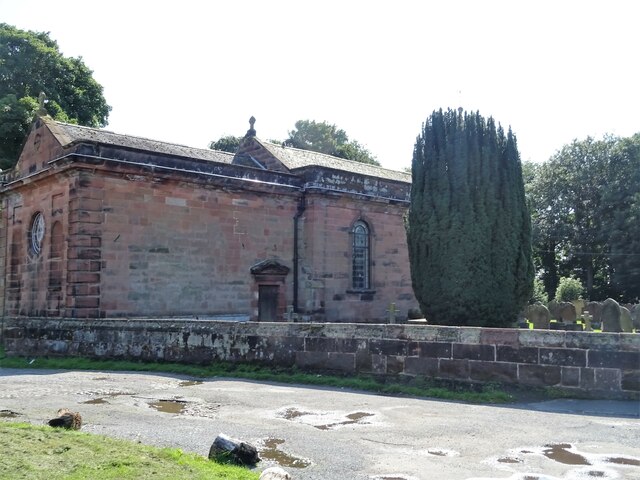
{"x": 42, "y": 99}
{"x": 252, "y": 131}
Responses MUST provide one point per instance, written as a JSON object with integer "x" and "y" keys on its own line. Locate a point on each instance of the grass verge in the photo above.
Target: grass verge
{"x": 34, "y": 452}
{"x": 418, "y": 387}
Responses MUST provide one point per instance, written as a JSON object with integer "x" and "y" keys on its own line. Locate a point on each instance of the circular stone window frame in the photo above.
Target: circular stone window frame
{"x": 37, "y": 230}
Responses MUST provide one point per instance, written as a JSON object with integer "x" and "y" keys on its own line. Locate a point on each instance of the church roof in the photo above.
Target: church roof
{"x": 295, "y": 158}
{"x": 68, "y": 134}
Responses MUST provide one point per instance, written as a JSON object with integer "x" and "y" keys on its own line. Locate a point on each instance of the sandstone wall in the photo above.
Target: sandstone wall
{"x": 603, "y": 365}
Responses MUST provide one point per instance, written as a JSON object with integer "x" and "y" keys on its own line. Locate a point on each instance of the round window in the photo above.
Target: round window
{"x": 36, "y": 233}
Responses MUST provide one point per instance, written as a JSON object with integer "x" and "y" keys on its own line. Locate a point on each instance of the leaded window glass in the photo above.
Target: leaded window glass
{"x": 360, "y": 269}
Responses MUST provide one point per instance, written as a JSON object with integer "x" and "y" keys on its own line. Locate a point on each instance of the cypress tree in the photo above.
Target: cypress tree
{"x": 468, "y": 227}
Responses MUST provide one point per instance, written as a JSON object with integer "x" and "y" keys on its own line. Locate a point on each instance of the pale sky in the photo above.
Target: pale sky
{"x": 192, "y": 71}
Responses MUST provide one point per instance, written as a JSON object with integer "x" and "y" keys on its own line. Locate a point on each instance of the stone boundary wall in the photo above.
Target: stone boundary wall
{"x": 602, "y": 365}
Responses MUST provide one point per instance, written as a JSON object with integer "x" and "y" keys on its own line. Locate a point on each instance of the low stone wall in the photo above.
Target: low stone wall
{"x": 605, "y": 365}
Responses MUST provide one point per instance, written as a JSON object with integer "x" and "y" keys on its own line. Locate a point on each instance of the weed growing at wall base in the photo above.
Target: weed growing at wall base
{"x": 419, "y": 387}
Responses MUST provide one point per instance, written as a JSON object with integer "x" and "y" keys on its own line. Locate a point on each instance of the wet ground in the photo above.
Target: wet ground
{"x": 326, "y": 434}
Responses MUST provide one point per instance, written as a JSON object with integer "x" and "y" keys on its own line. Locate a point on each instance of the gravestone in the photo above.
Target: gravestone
{"x": 554, "y": 309}
{"x": 579, "y": 304}
{"x": 594, "y": 309}
{"x": 626, "y": 324}
{"x": 610, "y": 316}
{"x": 539, "y": 316}
{"x": 567, "y": 312}
{"x": 635, "y": 317}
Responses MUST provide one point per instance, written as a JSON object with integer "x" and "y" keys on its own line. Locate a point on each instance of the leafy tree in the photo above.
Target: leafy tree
{"x": 468, "y": 226}
{"x": 228, "y": 143}
{"x": 326, "y": 138}
{"x": 30, "y": 63}
{"x": 539, "y": 293}
{"x": 569, "y": 289}
{"x": 585, "y": 206}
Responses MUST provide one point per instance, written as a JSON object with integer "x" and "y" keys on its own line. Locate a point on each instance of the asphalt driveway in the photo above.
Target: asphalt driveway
{"x": 319, "y": 433}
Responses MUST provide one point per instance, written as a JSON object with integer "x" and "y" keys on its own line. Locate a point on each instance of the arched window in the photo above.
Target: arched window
{"x": 361, "y": 265}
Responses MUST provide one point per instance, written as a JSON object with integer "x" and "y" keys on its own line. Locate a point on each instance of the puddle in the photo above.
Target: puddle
{"x": 271, "y": 452}
{"x": 8, "y": 414}
{"x": 560, "y": 453}
{"x": 324, "y": 420}
{"x": 352, "y": 419}
{"x": 190, "y": 383}
{"x": 599, "y": 465}
{"x": 169, "y": 406}
{"x": 509, "y": 460}
{"x": 623, "y": 461}
{"x": 442, "y": 452}
{"x": 439, "y": 453}
{"x": 96, "y": 401}
{"x": 394, "y": 476}
{"x": 291, "y": 413}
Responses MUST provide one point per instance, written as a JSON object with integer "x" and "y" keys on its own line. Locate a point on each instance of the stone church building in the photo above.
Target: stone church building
{"x": 101, "y": 225}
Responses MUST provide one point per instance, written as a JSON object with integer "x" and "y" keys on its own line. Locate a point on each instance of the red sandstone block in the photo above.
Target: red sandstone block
{"x": 87, "y": 302}
{"x": 83, "y": 277}
{"x": 568, "y": 357}
{"x": 570, "y": 376}
{"x": 499, "y": 336}
{"x": 539, "y": 375}
{"x": 454, "y": 368}
{"x": 493, "y": 371}
{"x": 88, "y": 204}
{"x": 619, "y": 360}
{"x": 421, "y": 366}
{"x": 82, "y": 313}
{"x": 93, "y": 230}
{"x": 474, "y": 352}
{"x": 607, "y": 379}
{"x": 79, "y": 265}
{"x": 80, "y": 241}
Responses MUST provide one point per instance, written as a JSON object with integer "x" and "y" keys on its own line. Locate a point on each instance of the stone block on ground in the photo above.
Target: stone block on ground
{"x": 274, "y": 473}
{"x": 237, "y": 451}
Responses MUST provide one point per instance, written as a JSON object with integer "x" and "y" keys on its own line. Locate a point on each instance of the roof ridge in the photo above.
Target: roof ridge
{"x": 332, "y": 156}
{"x": 102, "y": 130}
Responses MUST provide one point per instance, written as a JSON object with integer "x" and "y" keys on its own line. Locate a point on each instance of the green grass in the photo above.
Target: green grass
{"x": 419, "y": 387}
{"x": 33, "y": 452}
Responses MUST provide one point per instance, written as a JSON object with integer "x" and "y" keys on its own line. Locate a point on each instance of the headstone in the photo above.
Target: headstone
{"x": 635, "y": 317}
{"x": 625, "y": 320}
{"x": 610, "y": 316}
{"x": 568, "y": 312}
{"x": 554, "y": 309}
{"x": 539, "y": 316}
{"x": 594, "y": 309}
{"x": 579, "y": 304}
{"x": 274, "y": 473}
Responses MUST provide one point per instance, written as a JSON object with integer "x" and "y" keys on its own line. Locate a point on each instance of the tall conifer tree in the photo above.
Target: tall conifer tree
{"x": 468, "y": 228}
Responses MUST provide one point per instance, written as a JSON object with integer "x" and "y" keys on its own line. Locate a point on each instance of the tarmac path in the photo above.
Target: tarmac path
{"x": 319, "y": 433}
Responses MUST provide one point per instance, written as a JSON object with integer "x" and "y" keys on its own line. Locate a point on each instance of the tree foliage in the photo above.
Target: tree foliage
{"x": 468, "y": 226}
{"x": 31, "y": 63}
{"x": 326, "y": 138}
{"x": 585, "y": 204}
{"x": 227, "y": 143}
{"x": 569, "y": 289}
